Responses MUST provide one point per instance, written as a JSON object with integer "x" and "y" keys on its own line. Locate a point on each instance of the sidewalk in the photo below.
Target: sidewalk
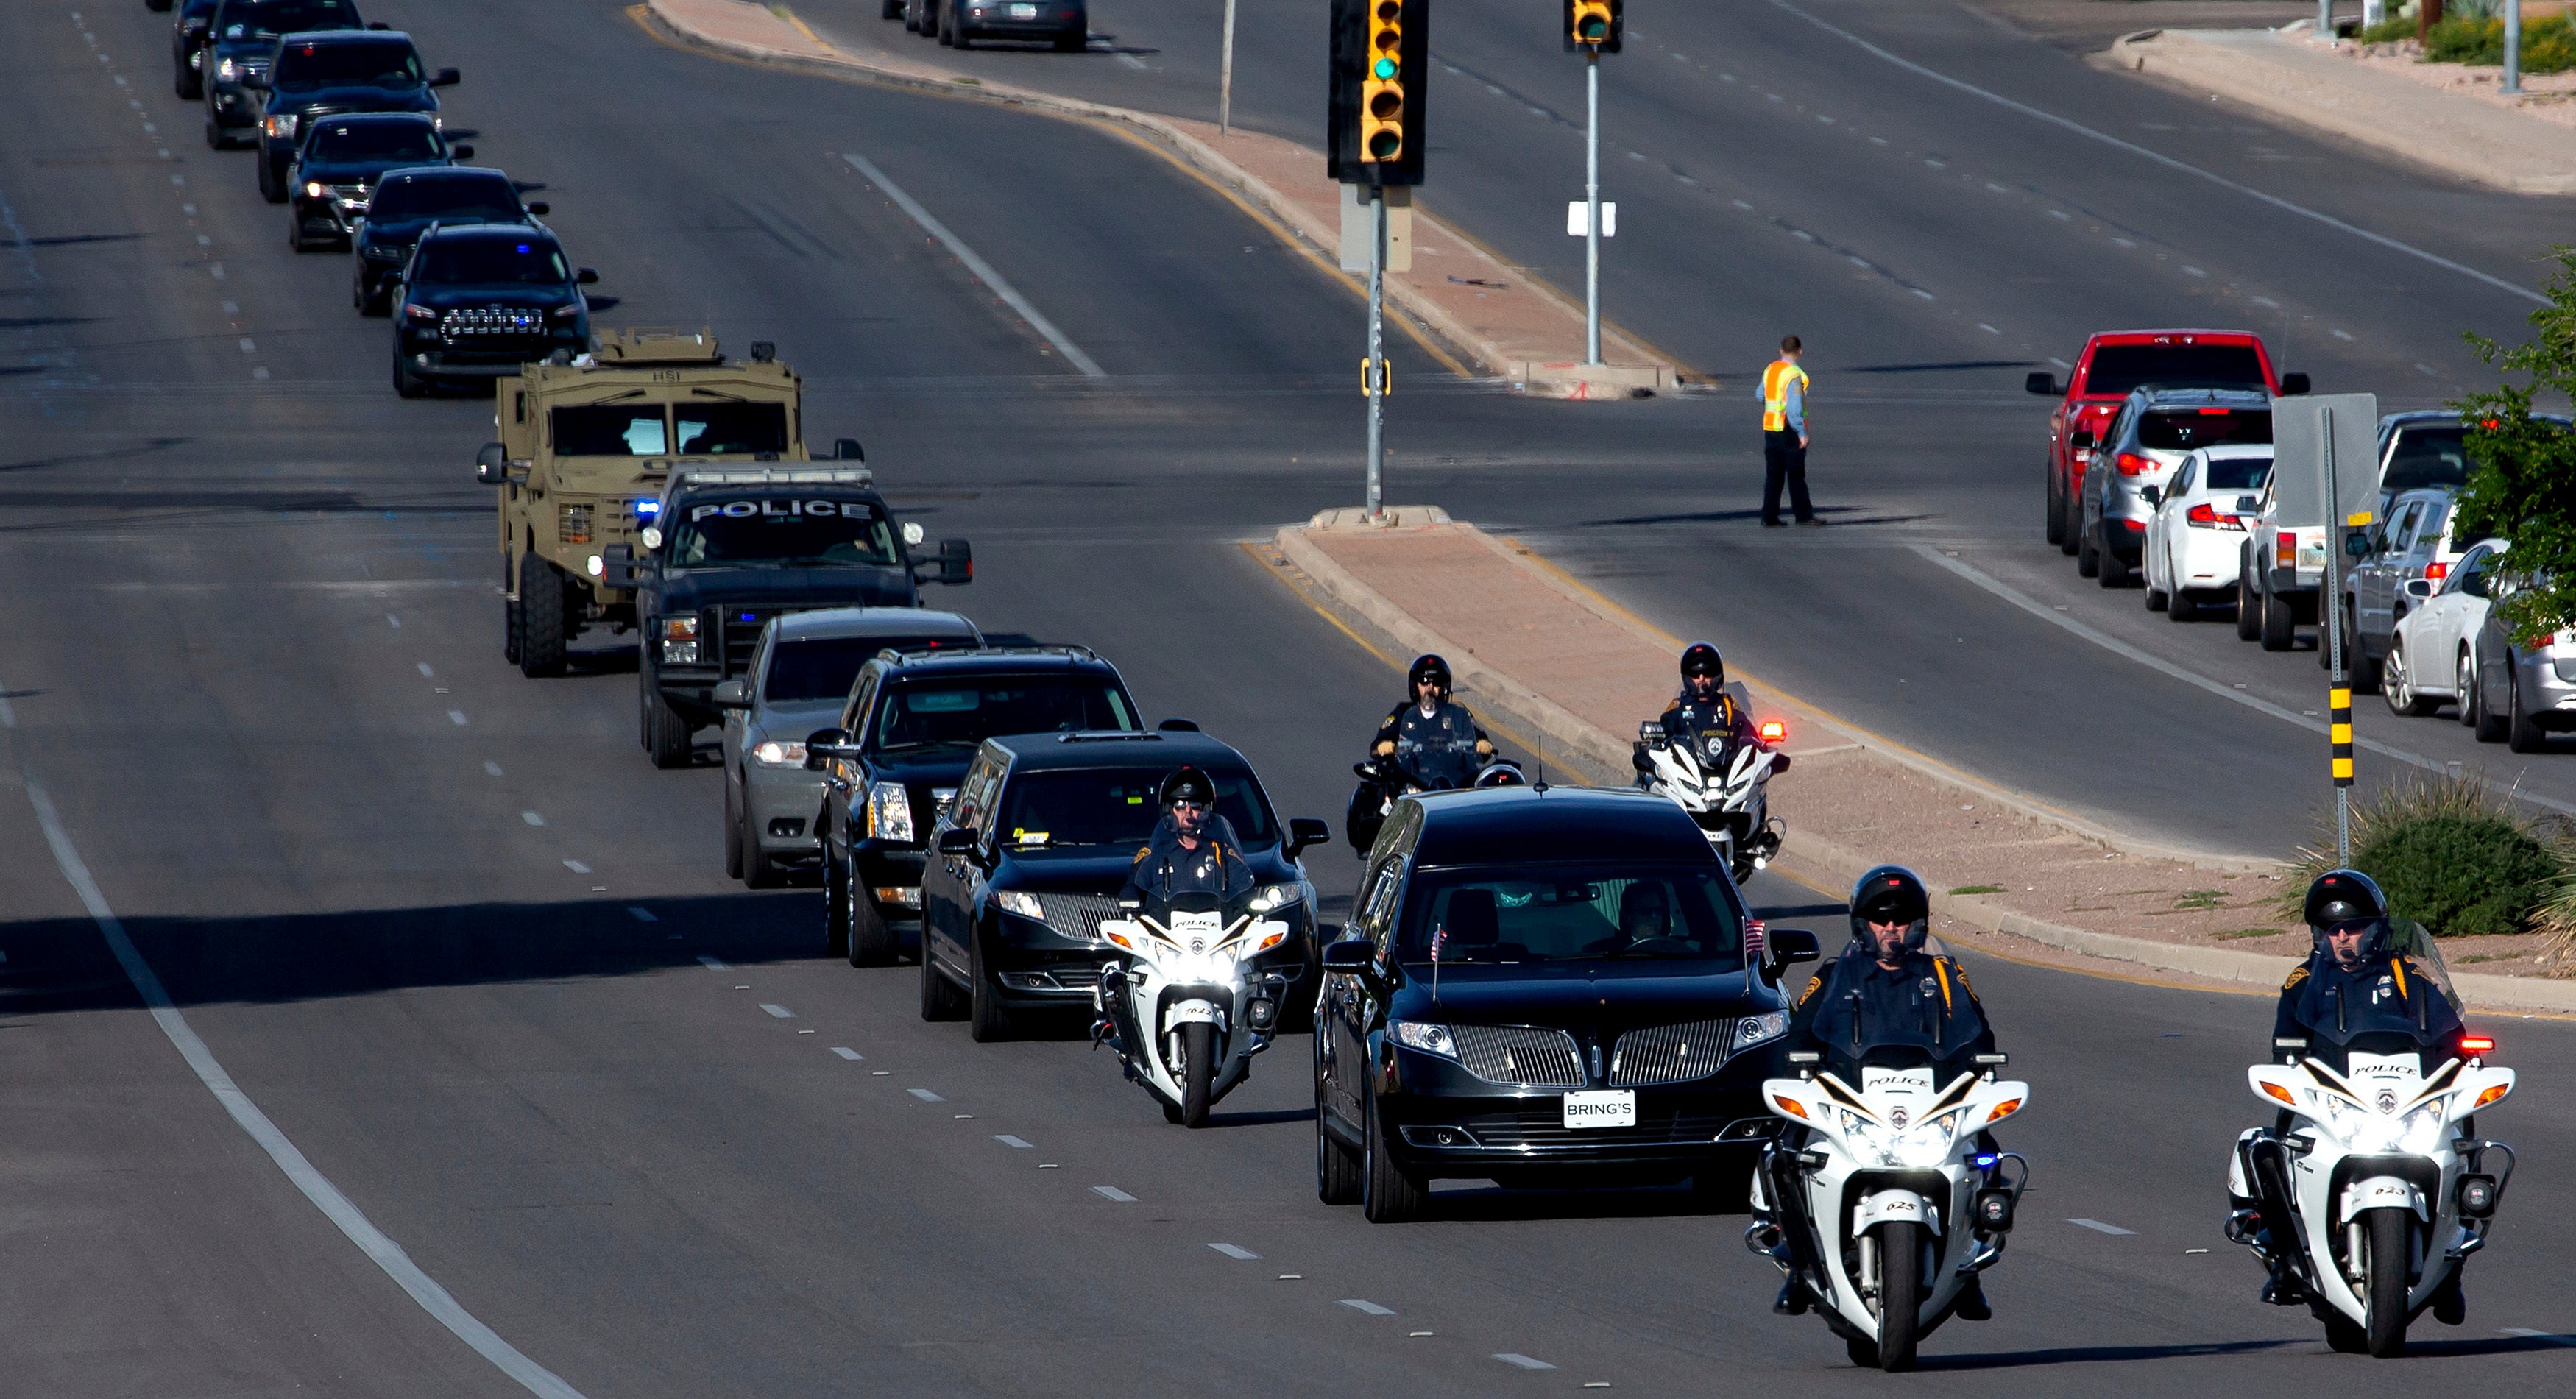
{"x": 1582, "y": 671}
{"x": 1510, "y": 324}
{"x": 2432, "y": 114}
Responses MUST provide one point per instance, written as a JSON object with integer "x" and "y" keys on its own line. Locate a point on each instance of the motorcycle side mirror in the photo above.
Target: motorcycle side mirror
{"x": 1352, "y": 955}
{"x": 959, "y": 840}
{"x": 1304, "y": 831}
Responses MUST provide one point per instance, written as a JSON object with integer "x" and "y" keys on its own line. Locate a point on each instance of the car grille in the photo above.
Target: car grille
{"x": 1544, "y": 1129}
{"x": 1670, "y": 1053}
{"x": 1077, "y": 976}
{"x": 494, "y": 327}
{"x": 1519, "y": 1055}
{"x": 740, "y": 628}
{"x": 351, "y": 198}
{"x": 572, "y": 524}
{"x": 1078, "y": 915}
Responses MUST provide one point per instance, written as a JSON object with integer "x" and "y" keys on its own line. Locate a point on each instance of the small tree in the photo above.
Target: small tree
{"x": 2522, "y": 473}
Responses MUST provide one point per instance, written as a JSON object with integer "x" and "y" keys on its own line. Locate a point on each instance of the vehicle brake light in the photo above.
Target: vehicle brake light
{"x": 2131, "y": 464}
{"x": 2436, "y": 571}
{"x": 2214, "y": 412}
{"x": 1772, "y": 731}
{"x": 2206, "y": 516}
{"x": 2477, "y": 1044}
{"x": 2285, "y": 549}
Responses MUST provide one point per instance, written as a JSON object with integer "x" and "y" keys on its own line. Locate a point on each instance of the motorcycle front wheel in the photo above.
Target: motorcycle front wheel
{"x": 2389, "y": 1252}
{"x": 1196, "y": 1069}
{"x": 1900, "y": 1293}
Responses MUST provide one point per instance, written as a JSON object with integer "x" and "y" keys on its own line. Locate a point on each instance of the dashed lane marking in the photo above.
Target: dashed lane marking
{"x": 1014, "y": 1143}
{"x": 491, "y": 768}
{"x": 1362, "y": 1304}
{"x": 2099, "y": 1227}
{"x": 848, "y": 1053}
{"x": 1236, "y": 1252}
{"x": 1111, "y": 1192}
{"x": 532, "y": 818}
{"x": 454, "y": 716}
{"x": 1511, "y": 1357}
{"x": 576, "y": 866}
{"x": 925, "y": 1095}
{"x": 779, "y": 1012}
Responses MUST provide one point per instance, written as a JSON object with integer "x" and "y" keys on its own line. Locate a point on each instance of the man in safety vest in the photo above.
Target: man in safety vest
{"x": 1784, "y": 437}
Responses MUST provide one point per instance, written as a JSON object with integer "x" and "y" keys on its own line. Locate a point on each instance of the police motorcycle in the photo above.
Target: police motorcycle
{"x": 2373, "y": 1190}
{"x": 1383, "y": 782}
{"x": 1726, "y": 794}
{"x": 1887, "y": 1198}
{"x": 1184, "y": 1007}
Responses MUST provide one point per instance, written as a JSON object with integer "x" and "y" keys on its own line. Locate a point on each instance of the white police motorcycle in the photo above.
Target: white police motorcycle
{"x": 1727, "y": 798}
{"x": 1185, "y": 1008}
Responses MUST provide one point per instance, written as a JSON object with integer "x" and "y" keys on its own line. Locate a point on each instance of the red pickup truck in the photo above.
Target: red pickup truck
{"x": 2117, "y": 361}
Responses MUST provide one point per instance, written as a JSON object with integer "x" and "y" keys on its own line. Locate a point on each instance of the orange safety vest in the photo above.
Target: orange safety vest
{"x": 1775, "y": 393}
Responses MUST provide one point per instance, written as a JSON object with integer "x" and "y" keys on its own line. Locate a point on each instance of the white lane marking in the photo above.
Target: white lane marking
{"x": 1740, "y": 204}
{"x": 2341, "y": 334}
{"x": 2530, "y": 1335}
{"x": 492, "y": 768}
{"x": 2167, "y": 161}
{"x": 2191, "y": 271}
{"x": 1132, "y": 61}
{"x": 1516, "y": 1358}
{"x": 1918, "y": 291}
{"x": 1111, "y": 1192}
{"x": 1990, "y": 330}
{"x": 983, "y": 270}
{"x": 249, "y": 346}
{"x": 393, "y": 621}
{"x": 2162, "y": 666}
{"x": 424, "y": 669}
{"x": 925, "y": 1095}
{"x": 1362, "y": 1304}
{"x": 848, "y": 1053}
{"x": 712, "y": 964}
{"x": 641, "y": 914}
{"x": 2267, "y": 302}
{"x": 1237, "y": 1252}
{"x": 456, "y": 717}
{"x": 576, "y": 867}
{"x": 2060, "y": 214}
{"x": 218, "y": 272}
{"x": 778, "y": 1012}
{"x": 2419, "y": 364}
{"x": 1014, "y": 1143}
{"x": 316, "y": 1187}
{"x": 259, "y": 371}
{"x": 2099, "y": 1227}
{"x": 532, "y": 818}
{"x": 2052, "y": 359}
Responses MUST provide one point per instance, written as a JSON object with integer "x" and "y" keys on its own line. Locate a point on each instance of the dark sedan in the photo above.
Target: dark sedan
{"x": 240, "y": 41}
{"x": 478, "y": 302}
{"x": 329, "y": 74}
{"x": 189, "y": 23}
{"x": 404, "y": 205}
{"x": 341, "y": 160}
{"x": 1544, "y": 987}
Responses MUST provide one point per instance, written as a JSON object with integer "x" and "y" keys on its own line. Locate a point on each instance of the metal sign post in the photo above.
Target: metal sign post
{"x": 1373, "y": 375}
{"x": 2326, "y": 479}
{"x": 1592, "y": 205}
{"x": 1225, "y": 77}
{"x": 2330, "y": 601}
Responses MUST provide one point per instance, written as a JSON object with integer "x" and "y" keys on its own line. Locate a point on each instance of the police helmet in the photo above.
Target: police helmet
{"x": 1892, "y": 894}
{"x": 1701, "y": 658}
{"x": 1428, "y": 667}
{"x": 1188, "y": 784}
{"x": 1501, "y": 772}
{"x": 2344, "y": 897}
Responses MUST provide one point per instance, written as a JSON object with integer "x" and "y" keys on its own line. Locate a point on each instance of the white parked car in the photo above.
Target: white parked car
{"x": 2429, "y": 653}
{"x": 2197, "y": 534}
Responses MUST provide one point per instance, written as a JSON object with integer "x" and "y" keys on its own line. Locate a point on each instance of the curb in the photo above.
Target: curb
{"x": 1543, "y": 378}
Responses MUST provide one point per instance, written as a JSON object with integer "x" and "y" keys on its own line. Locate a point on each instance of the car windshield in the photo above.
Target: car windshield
{"x": 1580, "y": 913}
{"x": 375, "y": 140}
{"x": 2435, "y": 454}
{"x": 372, "y": 63}
{"x": 485, "y": 197}
{"x": 824, "y": 667}
{"x": 2237, "y": 473}
{"x": 926, "y": 712}
{"x": 2180, "y": 430}
{"x": 2120, "y": 368}
{"x": 731, "y": 429}
{"x": 243, "y": 19}
{"x": 782, "y": 532}
{"x": 1100, "y": 806}
{"x": 491, "y": 261}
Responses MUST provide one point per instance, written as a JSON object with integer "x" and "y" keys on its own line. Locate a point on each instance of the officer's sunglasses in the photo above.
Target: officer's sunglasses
{"x": 1185, "y": 804}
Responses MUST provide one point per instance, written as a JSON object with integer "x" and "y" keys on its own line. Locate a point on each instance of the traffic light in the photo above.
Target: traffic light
{"x": 1381, "y": 52}
{"x": 1594, "y": 25}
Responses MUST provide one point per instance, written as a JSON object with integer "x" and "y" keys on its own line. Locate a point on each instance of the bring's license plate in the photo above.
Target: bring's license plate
{"x": 1615, "y": 1107}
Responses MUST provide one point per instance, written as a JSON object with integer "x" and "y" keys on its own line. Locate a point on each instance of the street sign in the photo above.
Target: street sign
{"x": 2298, "y": 457}
{"x": 1359, "y": 225}
{"x": 1577, "y": 226}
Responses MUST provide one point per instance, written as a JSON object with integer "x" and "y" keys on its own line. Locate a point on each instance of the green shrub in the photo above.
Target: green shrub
{"x": 2449, "y": 853}
{"x": 2548, "y": 44}
{"x": 2387, "y": 31}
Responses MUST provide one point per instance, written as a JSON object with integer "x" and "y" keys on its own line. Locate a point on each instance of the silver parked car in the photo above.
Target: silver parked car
{"x": 800, "y": 677}
{"x": 2526, "y": 686}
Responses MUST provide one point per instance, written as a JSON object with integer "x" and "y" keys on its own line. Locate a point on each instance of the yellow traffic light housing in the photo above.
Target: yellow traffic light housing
{"x": 1591, "y": 21}
{"x": 1382, "y": 122}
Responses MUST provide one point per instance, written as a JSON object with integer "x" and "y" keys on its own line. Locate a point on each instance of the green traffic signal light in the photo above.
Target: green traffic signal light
{"x": 1384, "y": 69}
{"x": 1593, "y": 28}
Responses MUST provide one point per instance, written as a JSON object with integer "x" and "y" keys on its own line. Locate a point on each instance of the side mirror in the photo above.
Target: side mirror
{"x": 960, "y": 840}
{"x": 2152, "y": 495}
{"x": 492, "y": 464}
{"x": 1790, "y": 946}
{"x": 2356, "y": 543}
{"x": 1350, "y": 955}
{"x": 538, "y": 207}
{"x": 2249, "y": 505}
{"x": 732, "y": 694}
{"x": 2044, "y": 384}
{"x": 2080, "y": 439}
{"x": 824, "y": 745}
{"x": 2419, "y": 588}
{"x": 1305, "y": 831}
{"x": 1177, "y": 726}
{"x": 460, "y": 152}
{"x": 446, "y": 77}
{"x": 2292, "y": 384}
{"x": 848, "y": 449}
{"x": 586, "y": 277}
{"x": 955, "y": 565}
{"x": 617, "y": 566}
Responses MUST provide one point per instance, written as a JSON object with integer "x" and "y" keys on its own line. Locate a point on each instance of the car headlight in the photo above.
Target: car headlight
{"x": 780, "y": 755}
{"x": 1271, "y": 897}
{"x": 679, "y": 653}
{"x": 890, "y": 812}
{"x": 1759, "y": 1029}
{"x": 1021, "y": 902}
{"x": 430, "y": 315}
{"x": 1429, "y": 1038}
{"x": 313, "y": 189}
{"x": 565, "y": 313}
{"x": 281, "y": 126}
{"x": 228, "y": 71}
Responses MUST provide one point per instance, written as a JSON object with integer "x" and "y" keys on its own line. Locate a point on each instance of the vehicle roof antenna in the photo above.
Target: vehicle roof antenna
{"x": 1541, "y": 784}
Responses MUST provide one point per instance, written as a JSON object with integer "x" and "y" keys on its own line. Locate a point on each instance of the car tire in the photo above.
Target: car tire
{"x": 2158, "y": 600}
{"x": 2070, "y": 528}
{"x": 988, "y": 1020}
{"x": 2247, "y": 619}
{"x": 187, "y": 84}
{"x": 2111, "y": 572}
{"x": 2088, "y": 557}
{"x": 2488, "y": 726}
{"x": 836, "y": 908}
{"x": 670, "y": 742}
{"x": 732, "y": 833}
{"x": 893, "y": 10}
{"x": 1387, "y": 1194}
{"x": 2397, "y": 686}
{"x": 2056, "y": 513}
{"x": 939, "y": 1000}
{"x": 272, "y": 179}
{"x": 541, "y": 613}
{"x": 958, "y": 36}
{"x": 911, "y": 17}
{"x": 1337, "y": 1167}
{"x": 872, "y": 941}
{"x": 2279, "y": 622}
{"x": 406, "y": 383}
{"x": 2522, "y": 733}
{"x": 2181, "y": 606}
{"x": 941, "y": 27}
{"x": 214, "y": 133}
{"x": 2359, "y": 668}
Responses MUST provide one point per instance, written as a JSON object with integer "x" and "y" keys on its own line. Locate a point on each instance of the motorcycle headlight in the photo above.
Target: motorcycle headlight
{"x": 1270, "y": 897}
{"x": 779, "y": 755}
{"x": 1429, "y": 1038}
{"x": 1759, "y": 1029}
{"x": 1202, "y": 968}
{"x": 313, "y": 189}
{"x": 1021, "y": 902}
{"x": 890, "y": 812}
{"x": 2419, "y": 1132}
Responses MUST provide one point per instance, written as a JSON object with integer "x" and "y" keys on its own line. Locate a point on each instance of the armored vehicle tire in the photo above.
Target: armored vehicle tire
{"x": 541, "y": 618}
{"x": 732, "y": 836}
{"x": 939, "y": 1000}
{"x": 510, "y": 629}
{"x": 987, "y": 1019}
{"x": 667, "y": 736}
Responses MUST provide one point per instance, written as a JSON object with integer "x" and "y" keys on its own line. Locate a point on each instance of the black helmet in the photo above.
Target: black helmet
{"x": 2340, "y": 897}
{"x": 1892, "y": 894}
{"x": 1428, "y": 666}
{"x": 1188, "y": 784}
{"x": 1701, "y": 658}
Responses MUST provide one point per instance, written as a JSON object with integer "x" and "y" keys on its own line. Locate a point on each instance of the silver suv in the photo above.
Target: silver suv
{"x": 2156, "y": 428}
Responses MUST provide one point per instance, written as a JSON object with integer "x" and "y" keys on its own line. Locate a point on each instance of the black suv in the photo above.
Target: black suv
{"x": 403, "y": 206}
{"x": 479, "y": 301}
{"x": 733, "y": 547}
{"x": 1545, "y": 987}
{"x": 339, "y": 163}
{"x": 235, "y": 49}
{"x": 910, "y": 727}
{"x": 1032, "y": 853}
{"x": 329, "y": 74}
{"x": 188, "y": 27}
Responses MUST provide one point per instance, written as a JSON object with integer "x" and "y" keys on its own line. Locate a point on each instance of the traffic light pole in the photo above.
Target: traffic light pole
{"x": 1592, "y": 206}
{"x": 1373, "y": 375}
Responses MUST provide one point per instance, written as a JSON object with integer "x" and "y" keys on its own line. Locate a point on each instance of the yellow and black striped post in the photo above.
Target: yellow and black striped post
{"x": 2339, "y": 720}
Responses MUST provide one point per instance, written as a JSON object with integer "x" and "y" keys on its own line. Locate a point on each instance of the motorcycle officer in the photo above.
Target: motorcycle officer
{"x": 1884, "y": 980}
{"x": 1432, "y": 740}
{"x": 2355, "y": 981}
{"x": 1192, "y": 849}
{"x": 1704, "y": 719}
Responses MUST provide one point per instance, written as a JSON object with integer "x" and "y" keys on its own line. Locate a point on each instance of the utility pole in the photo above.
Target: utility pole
{"x": 1225, "y": 77}
{"x": 2512, "y": 48}
{"x": 1375, "y": 140}
{"x": 1373, "y": 375}
{"x": 1592, "y": 206}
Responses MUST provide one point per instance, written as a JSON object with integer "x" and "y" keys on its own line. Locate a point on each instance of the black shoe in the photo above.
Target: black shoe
{"x": 1792, "y": 1300}
{"x": 2449, "y": 1307}
{"x": 1813, "y": 521}
{"x": 1775, "y": 524}
{"x": 2282, "y": 1289}
{"x": 1972, "y": 1303}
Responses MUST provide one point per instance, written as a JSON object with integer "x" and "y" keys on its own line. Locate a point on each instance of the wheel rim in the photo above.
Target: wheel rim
{"x": 2399, "y": 696}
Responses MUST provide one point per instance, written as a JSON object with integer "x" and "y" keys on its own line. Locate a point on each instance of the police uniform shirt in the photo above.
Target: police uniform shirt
{"x": 1926, "y": 1000}
{"x": 2383, "y": 994}
{"x": 1164, "y": 869}
{"x": 1442, "y": 747}
{"x": 1706, "y": 726}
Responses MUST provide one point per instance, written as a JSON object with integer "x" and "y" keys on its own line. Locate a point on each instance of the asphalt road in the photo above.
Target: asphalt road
{"x": 253, "y": 709}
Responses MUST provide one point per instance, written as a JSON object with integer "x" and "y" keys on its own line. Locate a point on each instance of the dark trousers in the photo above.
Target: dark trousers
{"x": 1784, "y": 460}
